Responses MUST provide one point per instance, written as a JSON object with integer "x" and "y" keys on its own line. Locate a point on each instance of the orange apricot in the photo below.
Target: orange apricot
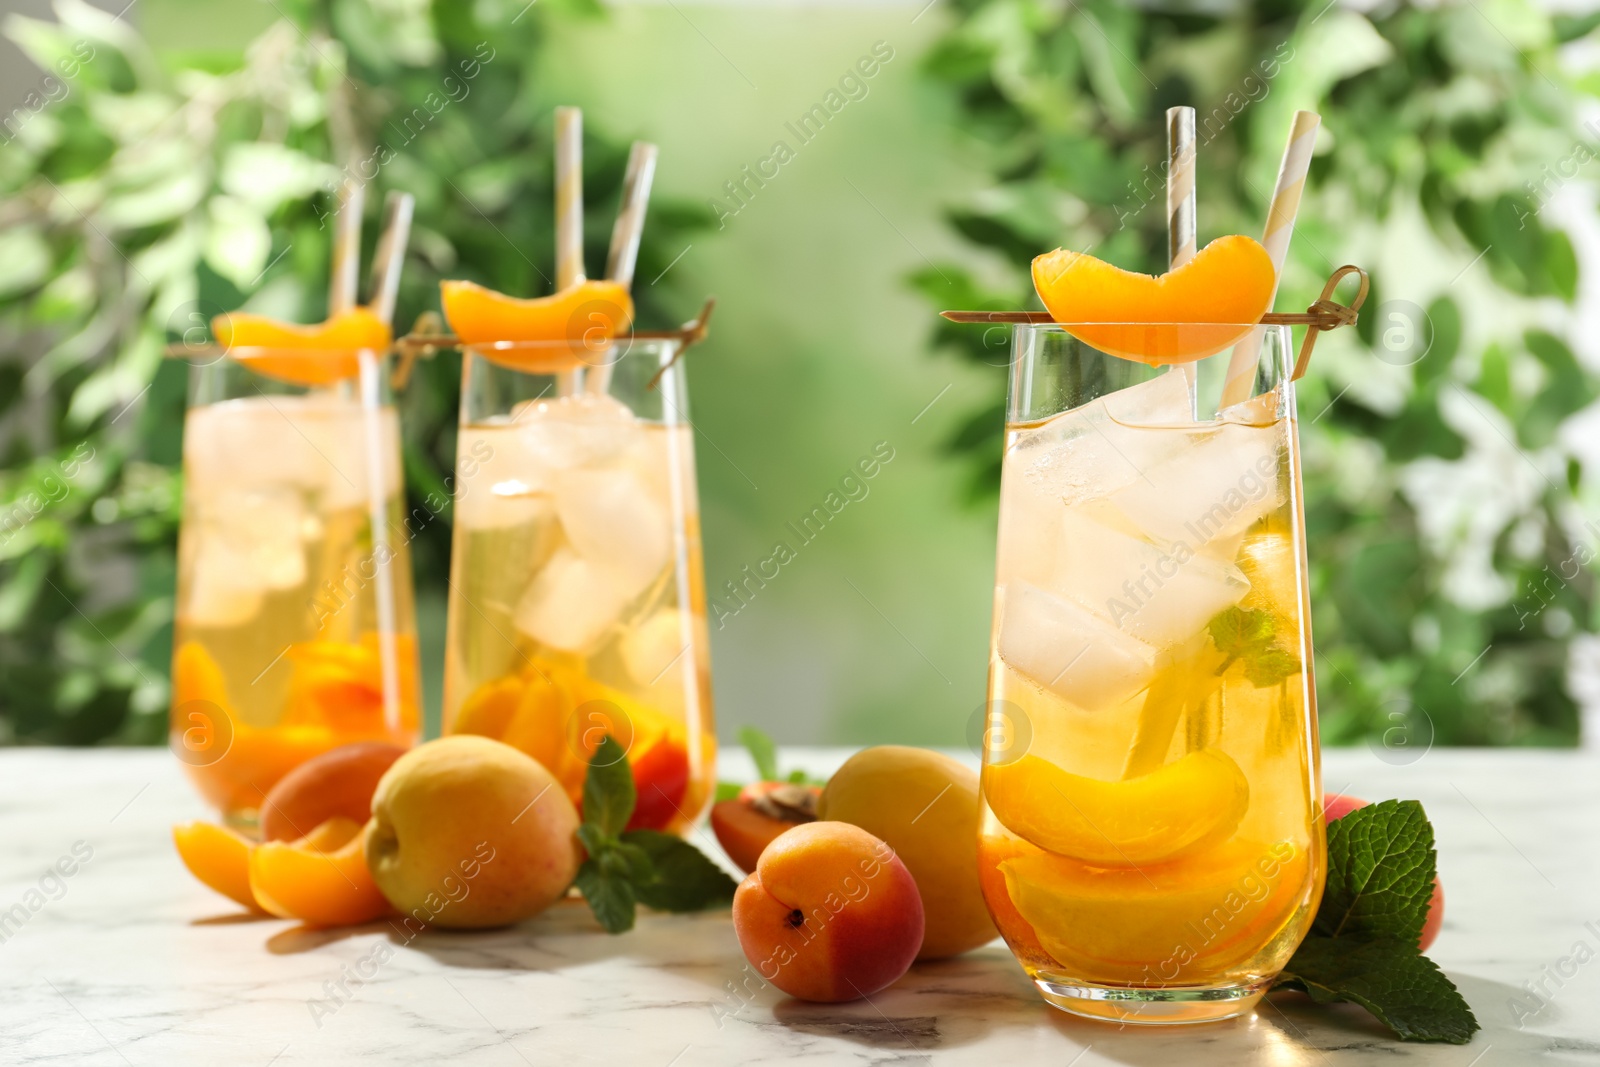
{"x": 1200, "y": 308}
{"x": 306, "y": 355}
{"x": 320, "y": 879}
{"x": 219, "y": 857}
{"x": 339, "y": 782}
{"x": 747, "y": 824}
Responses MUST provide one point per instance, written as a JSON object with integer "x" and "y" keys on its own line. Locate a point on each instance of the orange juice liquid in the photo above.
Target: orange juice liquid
{"x": 577, "y": 601}
{"x": 285, "y": 642}
{"x": 1151, "y": 823}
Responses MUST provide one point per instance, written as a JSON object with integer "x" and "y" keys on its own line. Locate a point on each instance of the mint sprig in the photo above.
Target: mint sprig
{"x": 765, "y": 754}
{"x": 1251, "y": 636}
{"x": 1363, "y": 943}
{"x": 625, "y": 868}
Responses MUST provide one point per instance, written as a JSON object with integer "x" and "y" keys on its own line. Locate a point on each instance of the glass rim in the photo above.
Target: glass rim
{"x": 1147, "y": 323}
{"x": 626, "y": 341}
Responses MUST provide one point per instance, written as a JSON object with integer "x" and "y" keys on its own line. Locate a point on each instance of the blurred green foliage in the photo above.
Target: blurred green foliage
{"x": 141, "y": 198}
{"x": 1448, "y": 511}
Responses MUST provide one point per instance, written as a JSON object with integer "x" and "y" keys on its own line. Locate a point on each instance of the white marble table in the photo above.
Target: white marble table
{"x": 130, "y": 961}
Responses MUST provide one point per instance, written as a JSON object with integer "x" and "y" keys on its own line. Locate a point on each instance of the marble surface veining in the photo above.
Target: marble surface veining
{"x": 130, "y": 961}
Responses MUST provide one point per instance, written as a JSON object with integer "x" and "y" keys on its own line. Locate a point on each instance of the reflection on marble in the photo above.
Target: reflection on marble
{"x": 128, "y": 960}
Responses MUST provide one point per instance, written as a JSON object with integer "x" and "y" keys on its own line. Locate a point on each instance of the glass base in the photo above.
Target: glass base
{"x": 1141, "y": 1006}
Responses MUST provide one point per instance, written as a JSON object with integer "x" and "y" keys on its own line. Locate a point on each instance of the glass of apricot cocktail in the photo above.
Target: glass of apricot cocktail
{"x": 577, "y": 595}
{"x": 294, "y": 630}
{"x": 1151, "y": 846}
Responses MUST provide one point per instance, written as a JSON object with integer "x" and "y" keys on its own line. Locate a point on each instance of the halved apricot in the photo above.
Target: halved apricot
{"x": 1180, "y": 808}
{"x": 320, "y": 879}
{"x": 218, "y": 857}
{"x": 306, "y": 355}
{"x": 1202, "y": 307}
{"x": 545, "y": 334}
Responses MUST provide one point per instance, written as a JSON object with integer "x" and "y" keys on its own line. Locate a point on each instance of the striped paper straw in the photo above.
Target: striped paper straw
{"x": 569, "y": 197}
{"x": 346, "y": 270}
{"x": 1180, "y": 186}
{"x": 1280, "y": 227}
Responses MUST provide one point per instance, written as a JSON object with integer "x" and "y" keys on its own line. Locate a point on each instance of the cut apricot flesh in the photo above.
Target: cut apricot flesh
{"x": 1200, "y": 308}
{"x": 321, "y": 879}
{"x": 1227, "y": 903}
{"x": 305, "y": 355}
{"x": 1180, "y": 808}
{"x": 218, "y": 857}
{"x": 545, "y": 334}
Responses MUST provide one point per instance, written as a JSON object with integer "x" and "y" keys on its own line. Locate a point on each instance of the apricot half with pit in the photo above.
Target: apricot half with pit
{"x": 762, "y": 811}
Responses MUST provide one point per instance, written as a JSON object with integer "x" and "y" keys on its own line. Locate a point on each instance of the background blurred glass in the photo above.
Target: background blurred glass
{"x": 1447, "y": 502}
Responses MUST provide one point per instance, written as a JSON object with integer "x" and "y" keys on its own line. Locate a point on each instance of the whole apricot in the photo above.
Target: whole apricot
{"x": 335, "y": 785}
{"x": 469, "y": 832}
{"x": 830, "y": 913}
{"x": 925, "y": 805}
{"x": 1337, "y": 806}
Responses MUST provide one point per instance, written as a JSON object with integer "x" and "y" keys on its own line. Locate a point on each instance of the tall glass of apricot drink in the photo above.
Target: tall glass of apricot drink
{"x": 295, "y": 626}
{"x": 1151, "y": 846}
{"x": 577, "y": 595}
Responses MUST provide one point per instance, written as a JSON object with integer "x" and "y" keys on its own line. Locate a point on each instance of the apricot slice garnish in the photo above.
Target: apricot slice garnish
{"x": 305, "y": 355}
{"x": 320, "y": 879}
{"x": 1173, "y": 811}
{"x": 545, "y": 334}
{"x": 1202, "y": 307}
{"x": 218, "y": 857}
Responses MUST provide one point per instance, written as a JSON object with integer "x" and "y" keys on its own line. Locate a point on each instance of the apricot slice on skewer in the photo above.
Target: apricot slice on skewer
{"x": 218, "y": 857}
{"x": 546, "y": 334}
{"x": 1171, "y": 812}
{"x": 320, "y": 879}
{"x": 305, "y": 355}
{"x": 1200, "y": 308}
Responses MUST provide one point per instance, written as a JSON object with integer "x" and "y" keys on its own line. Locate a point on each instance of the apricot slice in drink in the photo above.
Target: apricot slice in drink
{"x": 1202, "y": 307}
{"x": 574, "y": 326}
{"x": 1177, "y": 809}
{"x": 320, "y": 879}
{"x": 218, "y": 857}
{"x": 305, "y": 355}
{"x": 1212, "y": 911}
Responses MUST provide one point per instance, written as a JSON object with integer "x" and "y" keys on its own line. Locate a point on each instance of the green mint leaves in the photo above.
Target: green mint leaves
{"x": 1363, "y": 944}
{"x": 1251, "y": 636}
{"x": 626, "y": 868}
{"x": 765, "y": 753}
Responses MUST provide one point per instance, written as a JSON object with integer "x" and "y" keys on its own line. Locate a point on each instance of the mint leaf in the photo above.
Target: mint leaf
{"x": 610, "y": 897}
{"x": 1363, "y": 942}
{"x": 1403, "y": 988}
{"x": 608, "y": 790}
{"x": 1380, "y": 874}
{"x": 728, "y": 791}
{"x": 685, "y": 880}
{"x": 762, "y": 750}
{"x": 1251, "y": 636}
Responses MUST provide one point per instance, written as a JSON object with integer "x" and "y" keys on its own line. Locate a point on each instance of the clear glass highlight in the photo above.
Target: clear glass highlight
{"x": 1152, "y": 846}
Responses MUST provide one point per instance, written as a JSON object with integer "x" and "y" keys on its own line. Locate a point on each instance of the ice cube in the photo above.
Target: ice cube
{"x": 571, "y": 604}
{"x": 1069, "y": 651}
{"x": 655, "y": 645}
{"x": 610, "y": 518}
{"x": 1160, "y": 595}
{"x": 1093, "y": 450}
{"x": 576, "y": 431}
{"x": 499, "y": 484}
{"x": 1217, "y": 486}
{"x": 220, "y": 591}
